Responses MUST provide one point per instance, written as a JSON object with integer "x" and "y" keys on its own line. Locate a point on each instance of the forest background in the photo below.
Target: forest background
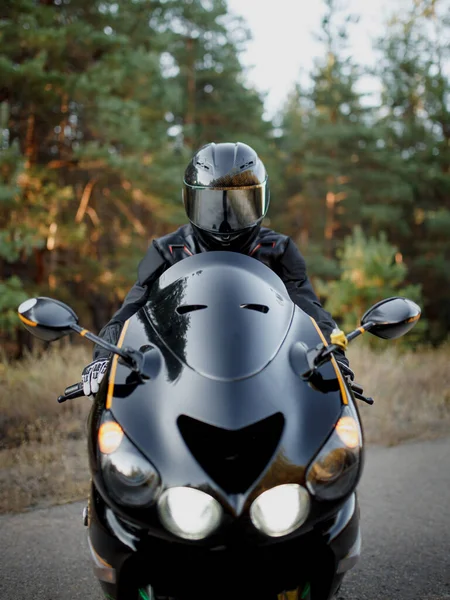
{"x": 102, "y": 104}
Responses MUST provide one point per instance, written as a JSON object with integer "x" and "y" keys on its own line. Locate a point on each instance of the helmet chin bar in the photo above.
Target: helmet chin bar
{"x": 239, "y": 241}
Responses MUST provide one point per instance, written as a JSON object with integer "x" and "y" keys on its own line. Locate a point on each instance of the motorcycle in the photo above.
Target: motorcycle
{"x": 225, "y": 445}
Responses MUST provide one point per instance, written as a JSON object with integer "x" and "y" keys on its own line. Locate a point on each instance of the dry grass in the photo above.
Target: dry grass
{"x": 38, "y": 474}
{"x": 43, "y": 454}
{"x": 30, "y": 389}
{"x": 411, "y": 393}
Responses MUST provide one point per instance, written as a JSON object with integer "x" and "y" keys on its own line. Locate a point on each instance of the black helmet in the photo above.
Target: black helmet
{"x": 226, "y": 195}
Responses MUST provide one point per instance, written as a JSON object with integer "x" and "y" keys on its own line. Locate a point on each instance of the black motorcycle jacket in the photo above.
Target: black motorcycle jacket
{"x": 275, "y": 250}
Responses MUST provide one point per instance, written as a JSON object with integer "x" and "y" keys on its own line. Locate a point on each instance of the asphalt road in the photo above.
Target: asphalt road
{"x": 405, "y": 504}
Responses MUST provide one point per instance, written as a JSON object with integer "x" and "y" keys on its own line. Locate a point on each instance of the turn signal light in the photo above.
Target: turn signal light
{"x": 110, "y": 436}
{"x": 348, "y": 430}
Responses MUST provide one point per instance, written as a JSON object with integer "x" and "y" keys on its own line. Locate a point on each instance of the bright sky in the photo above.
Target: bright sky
{"x": 283, "y": 46}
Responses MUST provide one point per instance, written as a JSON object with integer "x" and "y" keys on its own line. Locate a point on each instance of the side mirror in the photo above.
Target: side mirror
{"x": 50, "y": 319}
{"x": 46, "y": 318}
{"x": 391, "y": 318}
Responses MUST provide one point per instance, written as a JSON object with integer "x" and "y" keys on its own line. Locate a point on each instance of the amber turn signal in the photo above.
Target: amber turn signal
{"x": 348, "y": 431}
{"x": 110, "y": 436}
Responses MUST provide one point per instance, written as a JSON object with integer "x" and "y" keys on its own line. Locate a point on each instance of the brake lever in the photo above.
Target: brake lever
{"x": 321, "y": 354}
{"x": 366, "y": 399}
{"x": 356, "y": 387}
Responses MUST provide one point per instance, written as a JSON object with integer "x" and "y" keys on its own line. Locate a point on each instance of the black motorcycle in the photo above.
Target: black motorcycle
{"x": 225, "y": 445}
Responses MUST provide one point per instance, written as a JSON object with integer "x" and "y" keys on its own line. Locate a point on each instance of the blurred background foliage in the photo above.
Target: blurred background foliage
{"x": 102, "y": 104}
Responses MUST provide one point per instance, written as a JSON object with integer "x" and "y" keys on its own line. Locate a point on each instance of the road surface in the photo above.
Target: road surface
{"x": 405, "y": 505}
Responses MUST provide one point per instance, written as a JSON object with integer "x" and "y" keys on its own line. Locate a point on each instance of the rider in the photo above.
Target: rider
{"x": 226, "y": 196}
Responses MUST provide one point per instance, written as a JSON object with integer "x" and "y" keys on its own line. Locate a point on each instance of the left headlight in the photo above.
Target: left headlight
{"x": 189, "y": 513}
{"x": 280, "y": 510}
{"x": 335, "y": 470}
{"x": 129, "y": 477}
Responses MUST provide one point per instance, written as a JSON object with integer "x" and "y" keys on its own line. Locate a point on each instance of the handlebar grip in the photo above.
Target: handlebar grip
{"x": 71, "y": 392}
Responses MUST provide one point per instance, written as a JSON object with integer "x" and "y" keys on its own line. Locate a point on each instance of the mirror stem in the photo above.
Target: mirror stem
{"x": 98, "y": 340}
{"x": 360, "y": 330}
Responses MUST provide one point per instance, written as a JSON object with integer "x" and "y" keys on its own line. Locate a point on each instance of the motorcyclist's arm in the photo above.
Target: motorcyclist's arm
{"x": 292, "y": 270}
{"x": 134, "y": 300}
{"x": 149, "y": 269}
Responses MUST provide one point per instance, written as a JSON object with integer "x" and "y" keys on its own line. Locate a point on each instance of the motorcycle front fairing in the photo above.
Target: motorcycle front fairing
{"x": 226, "y": 411}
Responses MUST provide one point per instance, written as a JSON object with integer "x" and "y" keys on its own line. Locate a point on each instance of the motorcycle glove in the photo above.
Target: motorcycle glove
{"x": 92, "y": 375}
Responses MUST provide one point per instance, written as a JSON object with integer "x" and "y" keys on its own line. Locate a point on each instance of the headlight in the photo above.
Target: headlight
{"x": 129, "y": 477}
{"x": 189, "y": 513}
{"x": 280, "y": 510}
{"x": 335, "y": 470}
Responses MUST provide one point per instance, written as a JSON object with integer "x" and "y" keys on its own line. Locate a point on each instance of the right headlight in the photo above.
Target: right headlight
{"x": 334, "y": 471}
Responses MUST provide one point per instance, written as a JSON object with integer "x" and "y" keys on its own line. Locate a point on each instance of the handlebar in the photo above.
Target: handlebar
{"x": 76, "y": 391}
{"x": 71, "y": 392}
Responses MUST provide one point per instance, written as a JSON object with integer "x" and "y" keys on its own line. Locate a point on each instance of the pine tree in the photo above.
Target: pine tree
{"x": 74, "y": 127}
{"x": 330, "y": 150}
{"x": 101, "y": 105}
{"x": 372, "y": 269}
{"x": 417, "y": 124}
{"x": 212, "y": 102}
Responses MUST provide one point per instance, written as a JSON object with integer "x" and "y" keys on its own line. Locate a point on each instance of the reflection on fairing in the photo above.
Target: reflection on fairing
{"x": 129, "y": 477}
{"x": 334, "y": 471}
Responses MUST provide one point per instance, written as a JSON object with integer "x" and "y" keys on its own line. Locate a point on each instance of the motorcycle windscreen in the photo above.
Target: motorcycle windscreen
{"x": 223, "y": 314}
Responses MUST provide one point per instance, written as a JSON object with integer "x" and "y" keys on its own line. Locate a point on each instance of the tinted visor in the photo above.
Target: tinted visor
{"x": 225, "y": 210}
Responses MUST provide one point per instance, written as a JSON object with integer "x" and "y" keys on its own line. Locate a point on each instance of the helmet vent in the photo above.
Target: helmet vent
{"x": 258, "y": 307}
{"x": 234, "y": 459}
{"x": 187, "y": 308}
{"x": 248, "y": 164}
{"x": 202, "y": 164}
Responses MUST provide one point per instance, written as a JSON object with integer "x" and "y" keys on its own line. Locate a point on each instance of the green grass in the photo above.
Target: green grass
{"x": 43, "y": 455}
